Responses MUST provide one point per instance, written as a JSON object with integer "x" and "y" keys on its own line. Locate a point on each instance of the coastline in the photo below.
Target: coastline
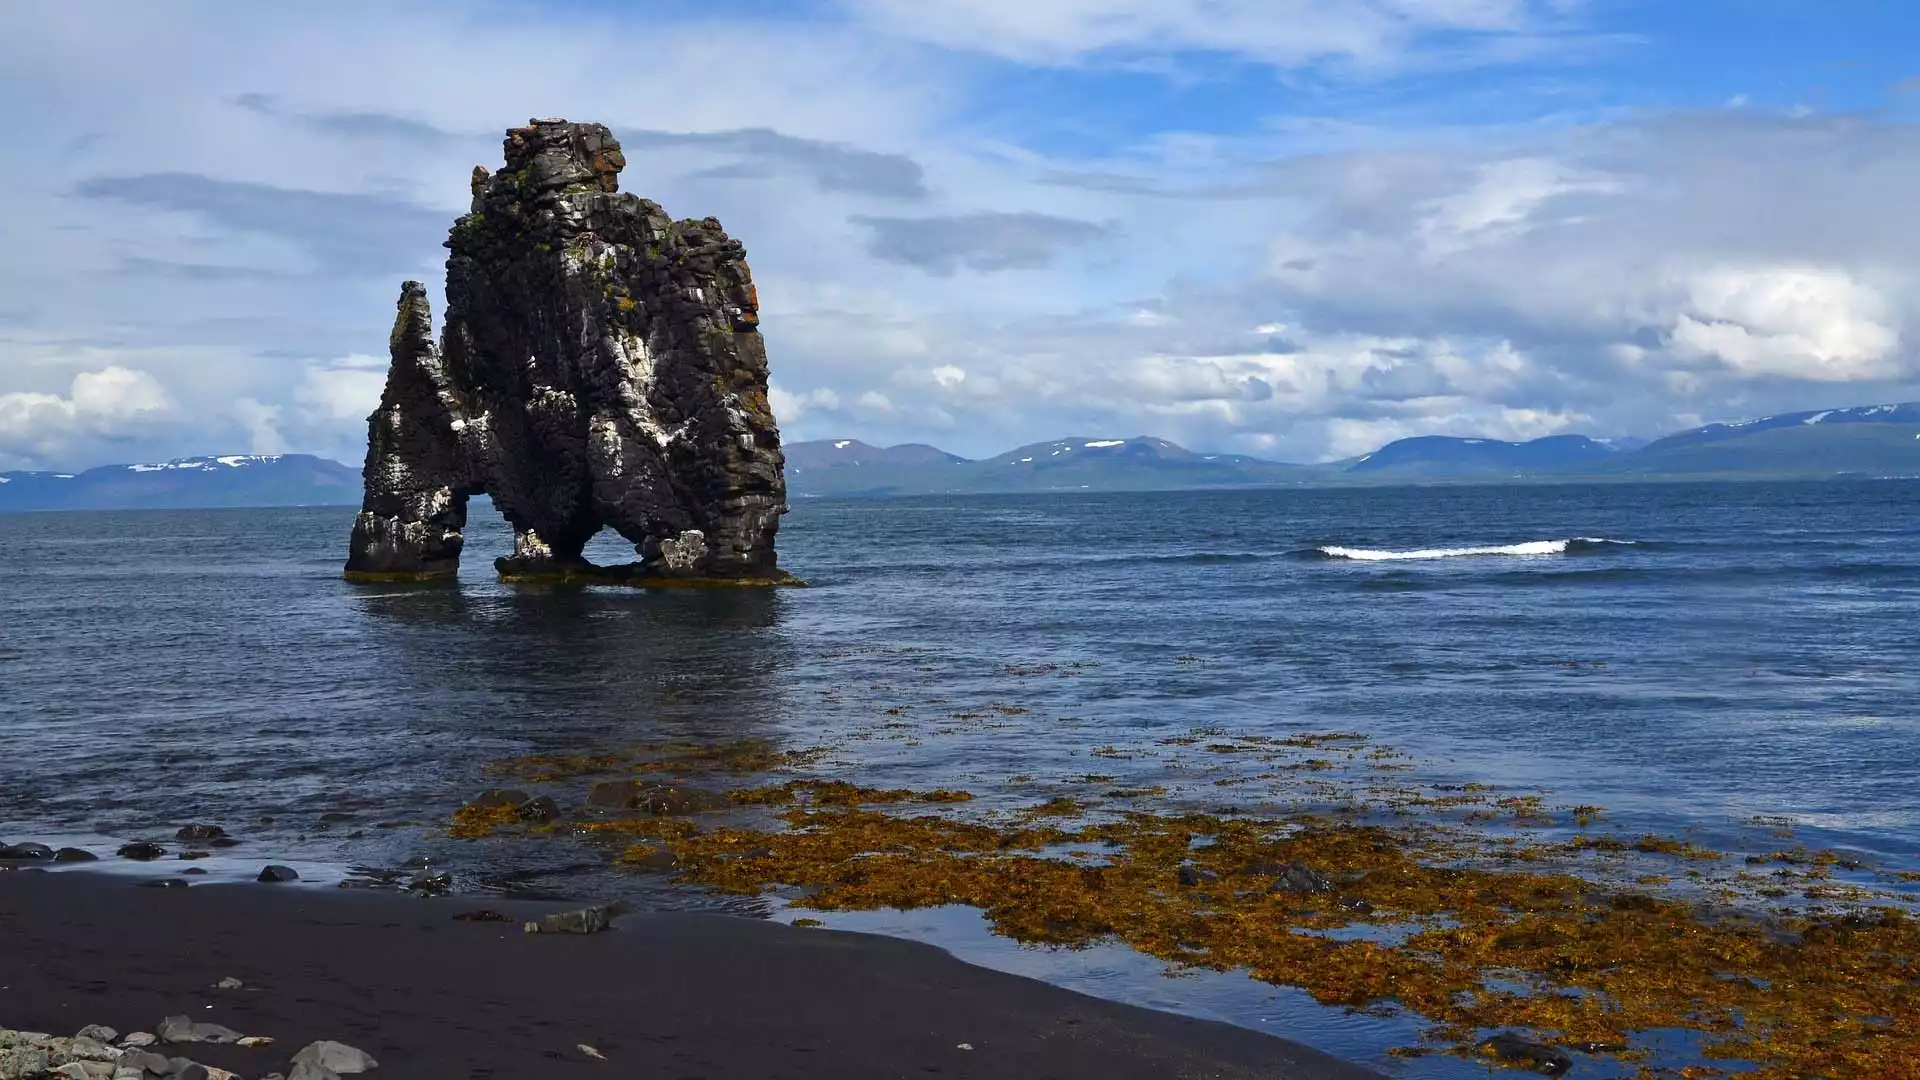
{"x": 664, "y": 994}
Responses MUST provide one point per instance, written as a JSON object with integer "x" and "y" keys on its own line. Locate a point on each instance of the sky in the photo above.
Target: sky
{"x": 1292, "y": 228}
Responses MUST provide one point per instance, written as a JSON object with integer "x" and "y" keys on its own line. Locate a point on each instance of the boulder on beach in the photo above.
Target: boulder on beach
{"x": 334, "y": 1057}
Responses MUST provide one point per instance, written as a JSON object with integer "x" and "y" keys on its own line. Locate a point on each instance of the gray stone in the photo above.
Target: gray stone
{"x": 19, "y": 1062}
{"x": 92, "y": 1048}
{"x": 588, "y": 920}
{"x": 146, "y": 1061}
{"x": 335, "y": 1057}
{"x": 180, "y": 1029}
{"x": 98, "y": 1033}
{"x": 139, "y": 1038}
{"x": 649, "y": 414}
{"x": 312, "y": 1072}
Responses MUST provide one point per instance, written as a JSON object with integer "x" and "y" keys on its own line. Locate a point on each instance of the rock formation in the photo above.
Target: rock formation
{"x": 601, "y": 366}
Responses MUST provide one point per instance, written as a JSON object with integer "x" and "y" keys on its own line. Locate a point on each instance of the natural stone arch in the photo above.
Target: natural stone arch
{"x": 601, "y": 365}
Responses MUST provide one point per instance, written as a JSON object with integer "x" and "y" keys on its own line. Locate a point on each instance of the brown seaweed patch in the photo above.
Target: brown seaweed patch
{"x": 1587, "y": 964}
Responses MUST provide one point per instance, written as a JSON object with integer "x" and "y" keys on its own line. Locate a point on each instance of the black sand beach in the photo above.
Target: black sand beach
{"x": 666, "y": 995}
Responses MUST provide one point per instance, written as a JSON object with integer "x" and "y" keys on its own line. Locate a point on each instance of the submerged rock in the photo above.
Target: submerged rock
{"x": 277, "y": 873}
{"x": 200, "y": 833}
{"x": 25, "y": 852}
{"x": 601, "y": 366}
{"x": 141, "y": 850}
{"x": 660, "y": 800}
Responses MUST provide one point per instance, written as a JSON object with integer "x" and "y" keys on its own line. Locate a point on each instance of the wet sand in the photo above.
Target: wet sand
{"x": 661, "y": 995}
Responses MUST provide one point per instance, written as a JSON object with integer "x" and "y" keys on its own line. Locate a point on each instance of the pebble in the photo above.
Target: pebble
{"x": 229, "y": 983}
{"x": 255, "y": 1041}
{"x": 163, "y": 883}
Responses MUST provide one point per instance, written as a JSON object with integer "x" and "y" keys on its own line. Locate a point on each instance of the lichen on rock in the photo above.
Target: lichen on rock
{"x": 601, "y": 366}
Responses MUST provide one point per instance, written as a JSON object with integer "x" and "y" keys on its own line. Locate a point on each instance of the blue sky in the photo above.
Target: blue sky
{"x": 1296, "y": 228}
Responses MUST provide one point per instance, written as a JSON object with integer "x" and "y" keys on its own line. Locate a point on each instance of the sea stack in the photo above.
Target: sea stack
{"x": 601, "y": 366}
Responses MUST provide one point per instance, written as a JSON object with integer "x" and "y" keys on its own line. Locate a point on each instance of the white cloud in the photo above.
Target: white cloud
{"x": 1814, "y": 323}
{"x": 106, "y": 405}
{"x": 789, "y": 407}
{"x": 345, "y": 390}
{"x": 1370, "y": 34}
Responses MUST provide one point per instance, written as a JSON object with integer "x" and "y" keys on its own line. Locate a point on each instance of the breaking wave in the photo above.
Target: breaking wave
{"x": 1575, "y": 545}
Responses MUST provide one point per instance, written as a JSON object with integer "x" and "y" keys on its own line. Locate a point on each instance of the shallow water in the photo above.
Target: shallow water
{"x": 1730, "y": 652}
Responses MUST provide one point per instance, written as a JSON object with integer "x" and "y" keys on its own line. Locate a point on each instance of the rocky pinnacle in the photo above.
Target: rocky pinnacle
{"x": 601, "y": 366}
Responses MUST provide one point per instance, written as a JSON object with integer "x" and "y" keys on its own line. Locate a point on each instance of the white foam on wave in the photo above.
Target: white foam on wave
{"x": 1531, "y": 547}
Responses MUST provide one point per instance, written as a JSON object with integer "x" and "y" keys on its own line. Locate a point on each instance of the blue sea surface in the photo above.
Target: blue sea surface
{"x": 1709, "y": 660}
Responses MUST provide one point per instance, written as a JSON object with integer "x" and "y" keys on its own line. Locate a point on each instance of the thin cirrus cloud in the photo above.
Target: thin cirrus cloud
{"x": 986, "y": 241}
{"x": 348, "y": 232}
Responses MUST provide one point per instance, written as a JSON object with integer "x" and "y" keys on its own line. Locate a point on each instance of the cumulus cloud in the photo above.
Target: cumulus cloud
{"x": 113, "y": 404}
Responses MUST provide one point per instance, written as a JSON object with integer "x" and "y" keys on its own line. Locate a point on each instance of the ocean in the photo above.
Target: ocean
{"x": 1717, "y": 662}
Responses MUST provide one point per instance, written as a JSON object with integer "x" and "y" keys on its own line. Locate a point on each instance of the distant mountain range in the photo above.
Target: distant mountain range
{"x": 1867, "y": 441}
{"x": 200, "y": 482}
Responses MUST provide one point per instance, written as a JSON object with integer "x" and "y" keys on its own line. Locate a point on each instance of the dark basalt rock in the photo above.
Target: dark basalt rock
{"x": 200, "y": 833}
{"x": 1527, "y": 1053}
{"x": 74, "y": 854}
{"x": 275, "y": 874}
{"x": 25, "y": 852}
{"x": 660, "y": 800}
{"x": 601, "y": 366}
{"x": 141, "y": 850}
{"x": 539, "y": 810}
